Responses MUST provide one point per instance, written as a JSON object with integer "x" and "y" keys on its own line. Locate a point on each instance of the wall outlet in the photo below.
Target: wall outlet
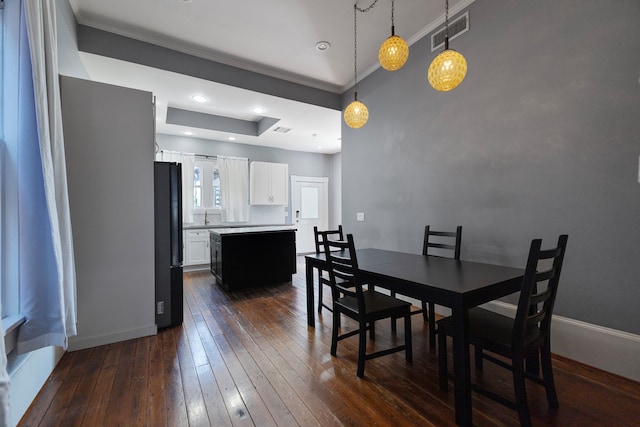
{"x": 160, "y": 307}
{"x": 360, "y": 216}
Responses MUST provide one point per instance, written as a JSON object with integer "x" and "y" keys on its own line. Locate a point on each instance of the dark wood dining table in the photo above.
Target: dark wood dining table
{"x": 459, "y": 285}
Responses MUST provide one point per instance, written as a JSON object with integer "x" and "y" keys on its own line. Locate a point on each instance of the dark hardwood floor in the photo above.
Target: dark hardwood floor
{"x": 248, "y": 358}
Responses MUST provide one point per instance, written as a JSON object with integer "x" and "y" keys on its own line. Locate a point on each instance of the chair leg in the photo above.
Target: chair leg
{"x": 532, "y": 364}
{"x": 442, "y": 361}
{"x": 521, "y": 392}
{"x": 547, "y": 375}
{"x": 372, "y": 331}
{"x": 334, "y": 332}
{"x": 393, "y": 319}
{"x": 362, "y": 347}
{"x": 432, "y": 324}
{"x": 425, "y": 312}
{"x": 408, "y": 341}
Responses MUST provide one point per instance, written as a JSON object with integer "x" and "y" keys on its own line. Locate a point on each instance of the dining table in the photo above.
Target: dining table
{"x": 456, "y": 284}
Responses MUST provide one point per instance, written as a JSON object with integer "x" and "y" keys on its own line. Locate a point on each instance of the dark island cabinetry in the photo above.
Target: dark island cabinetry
{"x": 253, "y": 256}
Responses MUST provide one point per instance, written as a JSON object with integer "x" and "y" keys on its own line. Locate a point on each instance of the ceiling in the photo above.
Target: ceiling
{"x": 277, "y": 38}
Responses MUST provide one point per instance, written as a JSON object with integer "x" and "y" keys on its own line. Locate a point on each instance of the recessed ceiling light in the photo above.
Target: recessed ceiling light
{"x": 188, "y": 132}
{"x": 258, "y": 110}
{"x": 323, "y": 46}
{"x": 232, "y": 138}
{"x": 319, "y": 147}
{"x": 199, "y": 98}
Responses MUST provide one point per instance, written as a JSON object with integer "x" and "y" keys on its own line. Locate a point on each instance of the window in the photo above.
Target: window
{"x": 216, "y": 189}
{"x": 197, "y": 186}
{"x": 206, "y": 184}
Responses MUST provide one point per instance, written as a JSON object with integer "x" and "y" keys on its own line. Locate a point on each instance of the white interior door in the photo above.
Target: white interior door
{"x": 309, "y": 203}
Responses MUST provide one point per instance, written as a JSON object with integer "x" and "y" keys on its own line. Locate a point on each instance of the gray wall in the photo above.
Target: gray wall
{"x": 109, "y": 146}
{"x": 300, "y": 163}
{"x": 541, "y": 138}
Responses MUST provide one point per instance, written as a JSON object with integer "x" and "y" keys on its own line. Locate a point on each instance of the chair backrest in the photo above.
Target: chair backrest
{"x": 445, "y": 241}
{"x": 539, "y": 288}
{"x": 320, "y": 236}
{"x": 343, "y": 268}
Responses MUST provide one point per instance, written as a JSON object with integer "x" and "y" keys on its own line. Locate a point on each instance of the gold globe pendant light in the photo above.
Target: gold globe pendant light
{"x": 448, "y": 69}
{"x": 394, "y": 51}
{"x": 356, "y": 114}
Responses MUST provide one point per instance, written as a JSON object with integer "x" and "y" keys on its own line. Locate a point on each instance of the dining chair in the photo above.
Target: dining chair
{"x": 525, "y": 338}
{"x": 436, "y": 243}
{"x": 365, "y": 306}
{"x": 320, "y": 236}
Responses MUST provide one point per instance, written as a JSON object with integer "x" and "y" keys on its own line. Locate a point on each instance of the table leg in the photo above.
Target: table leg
{"x": 310, "y": 303}
{"x": 462, "y": 366}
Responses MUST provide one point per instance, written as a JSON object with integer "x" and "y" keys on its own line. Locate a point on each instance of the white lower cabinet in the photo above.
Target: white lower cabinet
{"x": 196, "y": 247}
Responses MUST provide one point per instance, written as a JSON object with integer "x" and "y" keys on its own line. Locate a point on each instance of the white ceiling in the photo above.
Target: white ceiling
{"x": 275, "y": 37}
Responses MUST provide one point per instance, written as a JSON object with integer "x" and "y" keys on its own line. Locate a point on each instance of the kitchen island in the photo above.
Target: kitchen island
{"x": 253, "y": 256}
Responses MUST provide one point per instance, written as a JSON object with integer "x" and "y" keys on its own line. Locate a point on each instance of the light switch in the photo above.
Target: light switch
{"x": 360, "y": 216}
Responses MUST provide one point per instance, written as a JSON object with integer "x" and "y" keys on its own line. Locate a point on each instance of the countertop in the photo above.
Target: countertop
{"x": 249, "y": 230}
{"x": 220, "y": 226}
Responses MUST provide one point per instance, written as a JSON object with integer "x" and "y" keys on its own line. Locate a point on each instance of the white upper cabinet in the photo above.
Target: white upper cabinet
{"x": 269, "y": 183}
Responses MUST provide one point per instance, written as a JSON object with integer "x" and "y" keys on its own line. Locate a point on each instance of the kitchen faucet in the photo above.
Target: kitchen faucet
{"x": 206, "y": 221}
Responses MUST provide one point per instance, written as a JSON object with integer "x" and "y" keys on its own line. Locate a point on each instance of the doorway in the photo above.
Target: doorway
{"x": 309, "y": 204}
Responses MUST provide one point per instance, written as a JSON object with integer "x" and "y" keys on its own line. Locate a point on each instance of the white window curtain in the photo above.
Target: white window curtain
{"x": 188, "y": 163}
{"x": 46, "y": 268}
{"x": 234, "y": 188}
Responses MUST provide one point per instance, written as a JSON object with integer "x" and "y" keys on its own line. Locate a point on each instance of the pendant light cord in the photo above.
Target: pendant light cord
{"x": 355, "y": 51}
{"x": 366, "y": 9}
{"x": 393, "y": 25}
{"x": 446, "y": 24}
{"x": 356, "y": 9}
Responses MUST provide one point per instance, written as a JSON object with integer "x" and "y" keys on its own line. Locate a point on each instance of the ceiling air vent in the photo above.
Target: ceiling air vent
{"x": 281, "y": 129}
{"x": 457, "y": 27}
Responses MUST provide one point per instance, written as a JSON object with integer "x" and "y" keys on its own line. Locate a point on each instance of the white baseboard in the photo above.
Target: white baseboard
{"x": 76, "y": 343}
{"x": 608, "y": 349}
{"x": 603, "y": 348}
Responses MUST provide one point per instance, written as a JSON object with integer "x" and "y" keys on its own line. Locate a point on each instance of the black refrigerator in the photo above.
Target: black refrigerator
{"x": 168, "y": 243}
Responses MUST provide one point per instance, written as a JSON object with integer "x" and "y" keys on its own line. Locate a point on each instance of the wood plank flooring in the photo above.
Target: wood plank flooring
{"x": 248, "y": 359}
